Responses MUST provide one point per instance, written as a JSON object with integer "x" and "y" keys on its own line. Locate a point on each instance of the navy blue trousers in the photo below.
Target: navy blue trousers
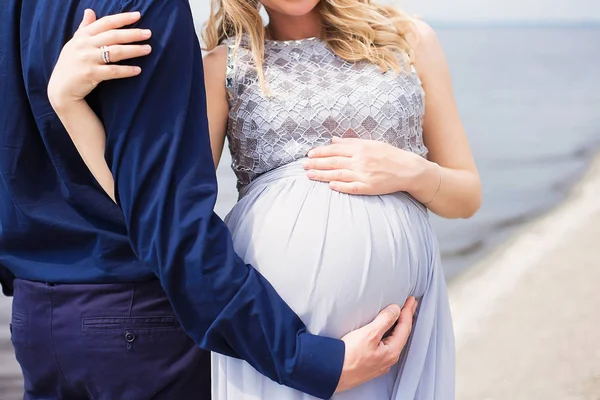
{"x": 104, "y": 342}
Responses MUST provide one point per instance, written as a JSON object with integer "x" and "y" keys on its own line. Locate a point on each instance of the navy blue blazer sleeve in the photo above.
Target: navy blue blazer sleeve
{"x": 6, "y": 281}
{"x": 159, "y": 152}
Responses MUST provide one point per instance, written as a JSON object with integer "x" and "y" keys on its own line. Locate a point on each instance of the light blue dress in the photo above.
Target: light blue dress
{"x": 336, "y": 259}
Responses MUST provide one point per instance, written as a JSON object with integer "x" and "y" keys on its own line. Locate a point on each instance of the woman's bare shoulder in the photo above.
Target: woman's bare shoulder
{"x": 215, "y": 62}
{"x": 429, "y": 55}
{"x": 424, "y": 40}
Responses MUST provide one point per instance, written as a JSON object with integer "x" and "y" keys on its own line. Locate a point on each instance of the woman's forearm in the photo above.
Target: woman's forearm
{"x": 449, "y": 193}
{"x": 88, "y": 135}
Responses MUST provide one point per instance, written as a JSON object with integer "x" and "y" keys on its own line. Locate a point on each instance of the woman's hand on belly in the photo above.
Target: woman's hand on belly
{"x": 367, "y": 167}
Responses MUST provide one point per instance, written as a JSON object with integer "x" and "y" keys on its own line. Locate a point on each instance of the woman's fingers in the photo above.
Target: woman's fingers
{"x": 89, "y": 16}
{"x": 125, "y": 52}
{"x": 113, "y": 71}
{"x": 328, "y": 163}
{"x": 111, "y": 22}
{"x": 102, "y": 41}
{"x": 121, "y": 36}
{"x": 337, "y": 149}
{"x": 339, "y": 175}
{"x": 349, "y": 187}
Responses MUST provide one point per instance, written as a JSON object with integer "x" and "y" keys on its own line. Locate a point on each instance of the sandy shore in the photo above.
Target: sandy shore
{"x": 527, "y": 317}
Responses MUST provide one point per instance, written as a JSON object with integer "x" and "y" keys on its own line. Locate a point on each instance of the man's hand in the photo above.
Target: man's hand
{"x": 368, "y": 353}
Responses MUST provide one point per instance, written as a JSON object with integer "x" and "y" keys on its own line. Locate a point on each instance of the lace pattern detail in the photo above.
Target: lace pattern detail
{"x": 314, "y": 95}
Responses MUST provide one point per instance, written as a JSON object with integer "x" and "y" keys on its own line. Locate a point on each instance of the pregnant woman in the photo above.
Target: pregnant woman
{"x": 340, "y": 229}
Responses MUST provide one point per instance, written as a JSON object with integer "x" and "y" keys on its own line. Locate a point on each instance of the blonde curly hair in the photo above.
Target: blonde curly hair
{"x": 355, "y": 30}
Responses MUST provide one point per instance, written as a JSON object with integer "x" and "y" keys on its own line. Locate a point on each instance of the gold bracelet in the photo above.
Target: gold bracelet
{"x": 439, "y": 185}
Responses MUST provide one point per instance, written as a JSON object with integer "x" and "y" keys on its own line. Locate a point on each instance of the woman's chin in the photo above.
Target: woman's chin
{"x": 297, "y": 11}
{"x": 292, "y": 8}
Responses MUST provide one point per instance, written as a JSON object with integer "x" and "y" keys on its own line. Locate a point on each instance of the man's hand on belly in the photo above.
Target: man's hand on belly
{"x": 371, "y": 350}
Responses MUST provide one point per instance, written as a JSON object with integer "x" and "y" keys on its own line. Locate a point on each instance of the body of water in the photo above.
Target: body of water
{"x": 530, "y": 101}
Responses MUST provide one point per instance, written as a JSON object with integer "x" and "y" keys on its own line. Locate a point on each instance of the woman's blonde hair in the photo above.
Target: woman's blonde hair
{"x": 355, "y": 30}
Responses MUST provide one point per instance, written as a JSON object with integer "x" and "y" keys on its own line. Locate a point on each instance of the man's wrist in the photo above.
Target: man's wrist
{"x": 319, "y": 365}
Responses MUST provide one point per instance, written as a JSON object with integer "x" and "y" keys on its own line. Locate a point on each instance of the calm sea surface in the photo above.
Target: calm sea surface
{"x": 530, "y": 102}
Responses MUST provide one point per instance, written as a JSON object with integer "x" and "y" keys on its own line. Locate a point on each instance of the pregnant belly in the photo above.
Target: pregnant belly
{"x": 336, "y": 259}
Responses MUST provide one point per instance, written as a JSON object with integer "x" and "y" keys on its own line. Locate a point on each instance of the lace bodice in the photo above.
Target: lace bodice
{"x": 314, "y": 95}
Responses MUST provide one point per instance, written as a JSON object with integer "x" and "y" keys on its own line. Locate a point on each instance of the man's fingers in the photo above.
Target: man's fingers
{"x": 111, "y": 22}
{"x": 332, "y": 150}
{"x": 383, "y": 322}
{"x": 121, "y": 36}
{"x": 410, "y": 303}
{"x": 126, "y": 52}
{"x": 397, "y": 340}
{"x": 89, "y": 16}
{"x": 113, "y": 71}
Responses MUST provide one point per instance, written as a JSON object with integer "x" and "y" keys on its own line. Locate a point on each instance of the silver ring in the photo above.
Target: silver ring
{"x": 105, "y": 54}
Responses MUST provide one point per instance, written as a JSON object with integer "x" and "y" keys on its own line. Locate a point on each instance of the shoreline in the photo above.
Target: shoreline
{"x": 474, "y": 294}
{"x": 526, "y": 317}
{"x": 474, "y": 291}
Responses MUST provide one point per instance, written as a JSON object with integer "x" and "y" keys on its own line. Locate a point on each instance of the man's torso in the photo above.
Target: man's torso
{"x": 56, "y": 224}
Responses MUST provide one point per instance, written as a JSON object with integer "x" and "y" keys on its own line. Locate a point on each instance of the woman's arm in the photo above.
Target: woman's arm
{"x": 88, "y": 136}
{"x": 86, "y": 129}
{"x": 84, "y": 126}
{"x": 447, "y": 182}
{"x": 77, "y": 73}
{"x": 459, "y": 194}
{"x": 215, "y": 64}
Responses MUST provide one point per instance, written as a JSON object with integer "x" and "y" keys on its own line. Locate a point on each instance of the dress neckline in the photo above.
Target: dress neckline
{"x": 293, "y": 41}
